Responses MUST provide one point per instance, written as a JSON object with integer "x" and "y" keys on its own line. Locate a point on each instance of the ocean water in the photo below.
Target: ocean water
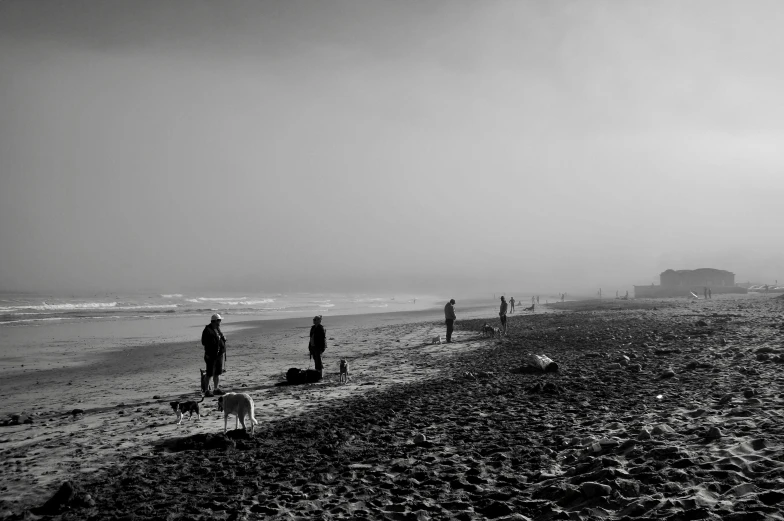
{"x": 30, "y": 310}
{"x": 34, "y": 327}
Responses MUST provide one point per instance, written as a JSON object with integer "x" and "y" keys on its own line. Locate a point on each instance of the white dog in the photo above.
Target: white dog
{"x": 238, "y": 404}
{"x": 436, "y": 339}
{"x": 344, "y": 371}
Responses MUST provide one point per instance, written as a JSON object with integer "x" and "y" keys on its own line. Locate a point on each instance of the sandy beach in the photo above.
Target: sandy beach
{"x": 664, "y": 408}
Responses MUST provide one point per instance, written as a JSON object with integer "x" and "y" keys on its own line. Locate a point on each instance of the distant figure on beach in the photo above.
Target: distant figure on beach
{"x": 511, "y": 305}
{"x": 537, "y": 299}
{"x": 214, "y": 353}
{"x": 318, "y": 342}
{"x": 563, "y": 296}
{"x": 710, "y": 294}
{"x": 705, "y": 293}
{"x": 502, "y": 314}
{"x": 449, "y": 315}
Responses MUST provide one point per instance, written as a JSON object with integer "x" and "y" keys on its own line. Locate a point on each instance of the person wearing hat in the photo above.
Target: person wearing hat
{"x": 214, "y": 352}
{"x": 318, "y": 342}
{"x": 450, "y": 317}
{"x": 502, "y": 314}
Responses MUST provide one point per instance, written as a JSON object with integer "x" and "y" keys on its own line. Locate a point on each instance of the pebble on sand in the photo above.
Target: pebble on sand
{"x": 591, "y": 489}
{"x": 714, "y": 433}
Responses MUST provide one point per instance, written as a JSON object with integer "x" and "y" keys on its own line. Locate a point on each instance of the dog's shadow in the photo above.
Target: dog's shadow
{"x": 235, "y": 439}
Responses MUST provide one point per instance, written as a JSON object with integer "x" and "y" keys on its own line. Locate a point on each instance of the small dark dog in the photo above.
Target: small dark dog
{"x": 529, "y": 309}
{"x": 344, "y": 371}
{"x": 190, "y": 407}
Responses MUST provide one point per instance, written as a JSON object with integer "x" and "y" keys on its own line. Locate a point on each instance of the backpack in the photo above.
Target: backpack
{"x": 298, "y": 376}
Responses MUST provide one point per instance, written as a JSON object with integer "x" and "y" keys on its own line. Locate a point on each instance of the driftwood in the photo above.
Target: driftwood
{"x": 542, "y": 363}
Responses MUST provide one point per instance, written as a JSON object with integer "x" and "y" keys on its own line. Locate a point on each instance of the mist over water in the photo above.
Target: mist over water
{"x": 385, "y": 147}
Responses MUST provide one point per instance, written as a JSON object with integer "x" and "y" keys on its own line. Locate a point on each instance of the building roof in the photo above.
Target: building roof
{"x": 712, "y": 271}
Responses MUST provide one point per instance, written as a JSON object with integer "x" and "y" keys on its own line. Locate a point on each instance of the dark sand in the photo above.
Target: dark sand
{"x": 690, "y": 426}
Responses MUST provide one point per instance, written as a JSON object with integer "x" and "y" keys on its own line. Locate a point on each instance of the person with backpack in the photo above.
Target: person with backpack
{"x": 214, "y": 353}
{"x": 318, "y": 343}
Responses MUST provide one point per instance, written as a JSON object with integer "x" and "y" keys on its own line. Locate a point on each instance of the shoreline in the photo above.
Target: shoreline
{"x": 402, "y": 386}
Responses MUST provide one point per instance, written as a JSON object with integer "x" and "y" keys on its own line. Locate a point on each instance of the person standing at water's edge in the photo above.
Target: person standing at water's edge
{"x": 214, "y": 352}
{"x": 511, "y": 305}
{"x": 449, "y": 315}
{"x": 318, "y": 342}
{"x": 502, "y": 314}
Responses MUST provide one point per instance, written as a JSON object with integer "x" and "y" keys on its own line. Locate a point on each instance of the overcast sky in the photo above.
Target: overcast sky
{"x": 388, "y": 145}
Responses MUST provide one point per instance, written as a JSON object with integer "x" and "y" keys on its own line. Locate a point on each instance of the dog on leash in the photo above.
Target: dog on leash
{"x": 191, "y": 407}
{"x": 344, "y": 371}
{"x": 487, "y": 330}
{"x": 530, "y": 308}
{"x": 240, "y": 405}
{"x": 497, "y": 332}
{"x": 436, "y": 339}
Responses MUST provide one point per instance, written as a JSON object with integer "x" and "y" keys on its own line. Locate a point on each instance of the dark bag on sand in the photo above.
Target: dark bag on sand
{"x": 298, "y": 376}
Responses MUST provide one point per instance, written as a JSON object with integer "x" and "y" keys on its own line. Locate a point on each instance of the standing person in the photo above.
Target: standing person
{"x": 511, "y": 305}
{"x": 214, "y": 353}
{"x": 449, "y": 315}
{"x": 502, "y": 314}
{"x": 537, "y": 299}
{"x": 318, "y": 343}
{"x": 705, "y": 293}
{"x": 710, "y": 294}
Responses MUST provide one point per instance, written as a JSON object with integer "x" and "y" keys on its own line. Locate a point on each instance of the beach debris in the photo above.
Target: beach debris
{"x": 625, "y": 360}
{"x": 541, "y": 362}
{"x": 667, "y": 373}
{"x": 614, "y": 366}
{"x": 635, "y": 368}
{"x": 156, "y": 397}
{"x": 701, "y": 323}
{"x": 749, "y": 393}
{"x": 419, "y": 439}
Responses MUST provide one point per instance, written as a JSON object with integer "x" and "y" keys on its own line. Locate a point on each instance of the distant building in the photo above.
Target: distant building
{"x": 703, "y": 277}
{"x": 679, "y": 283}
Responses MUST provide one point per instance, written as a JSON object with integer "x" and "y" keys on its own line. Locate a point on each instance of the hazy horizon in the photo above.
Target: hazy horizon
{"x": 373, "y": 146}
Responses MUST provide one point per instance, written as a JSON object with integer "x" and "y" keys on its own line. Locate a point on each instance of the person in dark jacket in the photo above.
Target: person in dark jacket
{"x": 318, "y": 342}
{"x": 214, "y": 352}
{"x": 450, "y": 317}
{"x": 502, "y": 314}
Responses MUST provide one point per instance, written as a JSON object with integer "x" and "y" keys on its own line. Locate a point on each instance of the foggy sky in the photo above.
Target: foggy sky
{"x": 380, "y": 145}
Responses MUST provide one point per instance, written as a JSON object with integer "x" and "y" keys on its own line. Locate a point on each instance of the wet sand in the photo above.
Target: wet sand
{"x": 662, "y": 409}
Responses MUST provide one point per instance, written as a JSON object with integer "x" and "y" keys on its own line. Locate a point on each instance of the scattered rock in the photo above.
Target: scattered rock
{"x": 714, "y": 433}
{"x": 420, "y": 438}
{"x": 667, "y": 373}
{"x": 61, "y": 499}
{"x": 635, "y": 368}
{"x": 662, "y": 428}
{"x": 591, "y": 489}
{"x": 749, "y": 393}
